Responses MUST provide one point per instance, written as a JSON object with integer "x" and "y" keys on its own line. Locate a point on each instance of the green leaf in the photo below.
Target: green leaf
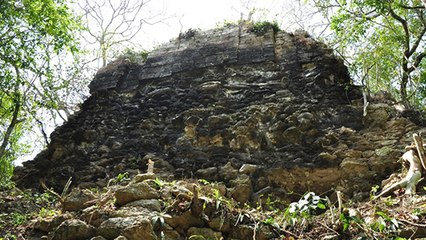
{"x": 33, "y": 34}
{"x": 378, "y": 47}
{"x": 321, "y": 205}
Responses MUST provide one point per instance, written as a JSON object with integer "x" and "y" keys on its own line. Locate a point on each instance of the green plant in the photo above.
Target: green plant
{"x": 203, "y": 181}
{"x": 45, "y": 198}
{"x": 158, "y": 221}
{"x": 346, "y": 219}
{"x": 262, "y": 27}
{"x": 271, "y": 221}
{"x": 122, "y": 177}
{"x": 384, "y": 224}
{"x": 373, "y": 191}
{"x": 392, "y": 31}
{"x": 6, "y": 185}
{"x": 34, "y": 34}
{"x": 44, "y": 212}
{"x": 269, "y": 203}
{"x": 160, "y": 183}
{"x": 219, "y": 199}
{"x": 18, "y": 218}
{"x": 389, "y": 201}
{"x": 419, "y": 212}
{"x": 310, "y": 204}
{"x": 9, "y": 236}
{"x": 226, "y": 24}
{"x": 134, "y": 56}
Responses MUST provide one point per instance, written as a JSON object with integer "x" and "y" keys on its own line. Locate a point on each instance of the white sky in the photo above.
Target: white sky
{"x": 207, "y": 14}
{"x": 203, "y": 14}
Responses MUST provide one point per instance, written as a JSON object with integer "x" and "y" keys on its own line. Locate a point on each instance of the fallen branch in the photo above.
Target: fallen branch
{"x": 413, "y": 176}
{"x": 366, "y": 103}
{"x": 419, "y": 146}
{"x": 61, "y": 198}
{"x": 411, "y": 223}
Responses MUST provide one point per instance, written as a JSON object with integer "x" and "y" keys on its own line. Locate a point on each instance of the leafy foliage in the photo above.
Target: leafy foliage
{"x": 32, "y": 34}
{"x": 134, "y": 56}
{"x": 309, "y": 205}
{"x": 262, "y": 27}
{"x": 383, "y": 43}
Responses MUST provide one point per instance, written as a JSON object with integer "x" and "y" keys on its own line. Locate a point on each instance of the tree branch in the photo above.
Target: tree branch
{"x": 404, "y": 26}
{"x": 14, "y": 121}
{"x": 417, "y": 62}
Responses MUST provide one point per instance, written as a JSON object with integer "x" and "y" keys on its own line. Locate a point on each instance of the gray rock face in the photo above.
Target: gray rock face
{"x": 130, "y": 228}
{"x": 133, "y": 192}
{"x": 220, "y": 100}
{"x": 77, "y": 199}
{"x": 73, "y": 229}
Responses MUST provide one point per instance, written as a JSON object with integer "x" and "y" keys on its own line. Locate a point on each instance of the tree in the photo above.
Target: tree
{"x": 383, "y": 40}
{"x": 110, "y": 23}
{"x": 32, "y": 33}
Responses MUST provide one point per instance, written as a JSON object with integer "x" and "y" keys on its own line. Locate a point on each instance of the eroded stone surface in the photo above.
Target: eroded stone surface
{"x": 73, "y": 229}
{"x": 78, "y": 199}
{"x": 209, "y": 104}
{"x": 135, "y": 191}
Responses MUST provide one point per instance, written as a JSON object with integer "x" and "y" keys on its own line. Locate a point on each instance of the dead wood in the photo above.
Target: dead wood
{"x": 419, "y": 146}
{"x": 412, "y": 177}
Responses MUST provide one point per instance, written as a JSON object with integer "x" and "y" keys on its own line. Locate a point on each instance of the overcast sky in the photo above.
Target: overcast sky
{"x": 207, "y": 14}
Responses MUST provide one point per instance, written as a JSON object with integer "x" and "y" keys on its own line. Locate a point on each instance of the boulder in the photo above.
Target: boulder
{"x": 73, "y": 229}
{"x": 78, "y": 199}
{"x": 203, "y": 233}
{"x": 135, "y": 191}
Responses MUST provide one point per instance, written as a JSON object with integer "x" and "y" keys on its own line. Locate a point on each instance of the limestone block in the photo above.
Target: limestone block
{"x": 113, "y": 227}
{"x": 78, "y": 199}
{"x": 242, "y": 188}
{"x": 228, "y": 171}
{"x": 292, "y": 135}
{"x": 98, "y": 238}
{"x": 50, "y": 223}
{"x": 150, "y": 204}
{"x": 354, "y": 166}
{"x": 140, "y": 229}
{"x": 203, "y": 233}
{"x": 220, "y": 224}
{"x": 143, "y": 176}
{"x": 249, "y": 169}
{"x": 73, "y": 229}
{"x": 184, "y": 221}
{"x": 133, "y": 192}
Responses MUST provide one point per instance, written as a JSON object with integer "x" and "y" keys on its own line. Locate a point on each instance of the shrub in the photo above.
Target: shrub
{"x": 262, "y": 27}
{"x": 134, "y": 56}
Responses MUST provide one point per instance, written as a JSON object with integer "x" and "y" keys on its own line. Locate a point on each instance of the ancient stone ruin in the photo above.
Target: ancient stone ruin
{"x": 268, "y": 112}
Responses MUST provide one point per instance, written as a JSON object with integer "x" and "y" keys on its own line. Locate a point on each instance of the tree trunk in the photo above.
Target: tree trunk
{"x": 404, "y": 82}
{"x": 10, "y": 128}
{"x": 14, "y": 121}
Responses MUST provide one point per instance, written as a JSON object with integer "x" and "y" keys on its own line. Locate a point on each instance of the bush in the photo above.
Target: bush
{"x": 262, "y": 27}
{"x": 134, "y": 56}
